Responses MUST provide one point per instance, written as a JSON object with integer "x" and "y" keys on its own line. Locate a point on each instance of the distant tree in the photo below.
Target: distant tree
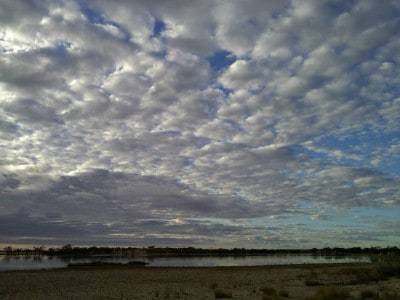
{"x": 67, "y": 248}
{"x": 8, "y": 250}
{"x": 38, "y": 250}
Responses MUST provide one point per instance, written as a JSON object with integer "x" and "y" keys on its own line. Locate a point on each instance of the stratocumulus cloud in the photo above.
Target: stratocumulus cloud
{"x": 213, "y": 123}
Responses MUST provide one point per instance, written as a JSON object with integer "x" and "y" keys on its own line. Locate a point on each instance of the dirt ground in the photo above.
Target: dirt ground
{"x": 269, "y": 282}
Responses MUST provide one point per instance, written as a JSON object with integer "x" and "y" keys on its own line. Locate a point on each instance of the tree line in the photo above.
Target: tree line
{"x": 69, "y": 250}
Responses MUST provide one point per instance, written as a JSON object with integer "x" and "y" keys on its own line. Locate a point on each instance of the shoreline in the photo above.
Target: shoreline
{"x": 126, "y": 266}
{"x": 131, "y": 264}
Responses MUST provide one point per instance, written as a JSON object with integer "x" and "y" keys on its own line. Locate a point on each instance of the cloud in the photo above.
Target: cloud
{"x": 132, "y": 112}
{"x": 30, "y": 111}
{"x": 21, "y": 224}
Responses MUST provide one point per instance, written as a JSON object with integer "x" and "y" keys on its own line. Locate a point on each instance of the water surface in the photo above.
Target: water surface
{"x": 20, "y": 262}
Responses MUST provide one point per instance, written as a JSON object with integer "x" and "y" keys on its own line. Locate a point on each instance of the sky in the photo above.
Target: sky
{"x": 257, "y": 124}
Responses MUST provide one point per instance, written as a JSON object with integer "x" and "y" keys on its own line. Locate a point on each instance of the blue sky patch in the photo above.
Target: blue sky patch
{"x": 91, "y": 14}
{"x": 159, "y": 27}
{"x": 221, "y": 60}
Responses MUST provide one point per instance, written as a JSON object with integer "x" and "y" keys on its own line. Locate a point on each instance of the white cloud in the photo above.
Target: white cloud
{"x": 88, "y": 85}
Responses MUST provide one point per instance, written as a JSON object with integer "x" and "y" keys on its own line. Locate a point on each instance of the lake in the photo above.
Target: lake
{"x": 51, "y": 262}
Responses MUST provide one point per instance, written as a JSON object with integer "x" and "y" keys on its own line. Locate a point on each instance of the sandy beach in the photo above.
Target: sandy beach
{"x": 347, "y": 281}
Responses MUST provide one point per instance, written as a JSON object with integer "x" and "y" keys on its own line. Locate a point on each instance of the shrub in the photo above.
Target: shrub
{"x": 390, "y": 296}
{"x": 284, "y": 293}
{"x": 330, "y": 294}
{"x": 312, "y": 282}
{"x": 222, "y": 294}
{"x": 389, "y": 269}
{"x": 270, "y": 291}
{"x": 367, "y": 294}
{"x": 366, "y": 277}
{"x": 312, "y": 279}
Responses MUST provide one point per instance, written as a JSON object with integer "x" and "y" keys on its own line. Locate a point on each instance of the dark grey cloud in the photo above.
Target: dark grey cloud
{"x": 21, "y": 224}
{"x": 31, "y": 111}
{"x": 105, "y": 195}
{"x": 8, "y": 181}
{"x": 8, "y": 130}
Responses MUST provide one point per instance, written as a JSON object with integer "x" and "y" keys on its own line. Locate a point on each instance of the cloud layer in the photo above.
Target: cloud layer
{"x": 211, "y": 124}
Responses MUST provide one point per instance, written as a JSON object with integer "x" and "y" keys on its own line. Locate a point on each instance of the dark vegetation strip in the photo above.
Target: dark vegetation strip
{"x": 68, "y": 250}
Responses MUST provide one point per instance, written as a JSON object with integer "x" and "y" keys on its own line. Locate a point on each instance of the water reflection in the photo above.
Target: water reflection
{"x": 250, "y": 260}
{"x": 27, "y": 262}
